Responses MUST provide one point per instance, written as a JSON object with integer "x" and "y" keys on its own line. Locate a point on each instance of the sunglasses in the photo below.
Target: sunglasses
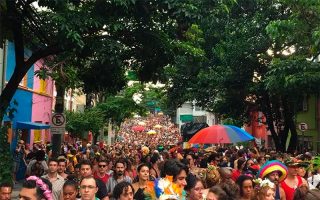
{"x": 102, "y": 166}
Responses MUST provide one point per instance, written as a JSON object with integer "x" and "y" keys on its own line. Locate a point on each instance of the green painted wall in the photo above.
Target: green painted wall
{"x": 309, "y": 117}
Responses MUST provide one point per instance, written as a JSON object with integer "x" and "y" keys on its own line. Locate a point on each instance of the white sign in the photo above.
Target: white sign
{"x": 58, "y": 123}
{"x": 303, "y": 126}
{"x": 59, "y": 131}
{"x": 58, "y": 120}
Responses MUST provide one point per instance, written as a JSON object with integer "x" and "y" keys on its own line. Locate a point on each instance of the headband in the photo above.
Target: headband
{"x": 42, "y": 185}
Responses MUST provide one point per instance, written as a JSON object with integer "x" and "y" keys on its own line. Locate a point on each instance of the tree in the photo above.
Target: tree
{"x": 245, "y": 69}
{"x": 144, "y": 29}
{"x": 80, "y": 122}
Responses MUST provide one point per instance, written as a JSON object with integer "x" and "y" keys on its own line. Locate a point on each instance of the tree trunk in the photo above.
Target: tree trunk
{"x": 59, "y": 108}
{"x": 270, "y": 122}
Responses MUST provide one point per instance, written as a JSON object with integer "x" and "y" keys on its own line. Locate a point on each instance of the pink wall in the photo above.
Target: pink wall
{"x": 41, "y": 104}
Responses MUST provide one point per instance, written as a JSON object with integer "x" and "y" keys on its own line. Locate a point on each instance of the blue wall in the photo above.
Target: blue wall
{"x": 11, "y": 63}
{"x": 22, "y": 96}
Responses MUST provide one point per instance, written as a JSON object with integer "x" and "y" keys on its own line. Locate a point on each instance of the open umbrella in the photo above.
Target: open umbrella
{"x": 151, "y": 132}
{"x": 137, "y": 128}
{"x": 158, "y": 126}
{"x": 142, "y": 123}
{"x": 220, "y": 134}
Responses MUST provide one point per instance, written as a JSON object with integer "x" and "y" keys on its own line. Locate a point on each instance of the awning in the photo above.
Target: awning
{"x": 31, "y": 125}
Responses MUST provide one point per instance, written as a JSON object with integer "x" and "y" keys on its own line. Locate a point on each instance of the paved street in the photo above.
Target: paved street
{"x": 16, "y": 190}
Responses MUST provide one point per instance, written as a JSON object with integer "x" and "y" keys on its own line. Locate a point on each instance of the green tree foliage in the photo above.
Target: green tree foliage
{"x": 257, "y": 57}
{"x": 79, "y": 123}
{"x": 104, "y": 39}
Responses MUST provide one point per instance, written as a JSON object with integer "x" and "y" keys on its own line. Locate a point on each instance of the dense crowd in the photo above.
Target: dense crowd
{"x": 148, "y": 162}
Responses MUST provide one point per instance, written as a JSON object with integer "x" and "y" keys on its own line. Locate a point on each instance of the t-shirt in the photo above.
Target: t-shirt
{"x": 314, "y": 181}
{"x": 104, "y": 178}
{"x": 102, "y": 190}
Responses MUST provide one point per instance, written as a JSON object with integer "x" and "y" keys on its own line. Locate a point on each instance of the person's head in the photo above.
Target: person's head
{"x": 214, "y": 158}
{"x": 273, "y": 170}
{"x": 177, "y": 170}
{"x": 302, "y": 193}
{"x": 261, "y": 160}
{"x": 274, "y": 177}
{"x": 61, "y": 166}
{"x": 216, "y": 193}
{"x": 155, "y": 158}
{"x": 70, "y": 190}
{"x": 103, "y": 166}
{"x": 225, "y": 174}
{"x": 194, "y": 187}
{"x": 241, "y": 163}
{"x": 40, "y": 155}
{"x": 120, "y": 167}
{"x": 245, "y": 185}
{"x": 88, "y": 188}
{"x": 265, "y": 193}
{"x": 35, "y": 188}
{"x": 5, "y": 191}
{"x": 123, "y": 191}
{"x": 85, "y": 168}
{"x": 143, "y": 172}
{"x": 190, "y": 159}
{"x": 52, "y": 165}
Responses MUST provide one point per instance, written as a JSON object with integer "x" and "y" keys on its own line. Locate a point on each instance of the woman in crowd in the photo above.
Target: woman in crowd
{"x": 194, "y": 188}
{"x": 265, "y": 190}
{"x": 70, "y": 190}
{"x": 142, "y": 183}
{"x": 216, "y": 193}
{"x": 245, "y": 184}
{"x": 123, "y": 191}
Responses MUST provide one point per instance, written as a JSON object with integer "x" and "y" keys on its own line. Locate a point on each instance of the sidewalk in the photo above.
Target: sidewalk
{"x": 16, "y": 189}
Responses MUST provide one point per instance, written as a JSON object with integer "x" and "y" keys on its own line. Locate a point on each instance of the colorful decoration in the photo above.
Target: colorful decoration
{"x": 163, "y": 189}
{"x": 272, "y": 166}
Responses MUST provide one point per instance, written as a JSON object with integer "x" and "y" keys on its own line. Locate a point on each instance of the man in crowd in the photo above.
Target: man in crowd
{"x": 88, "y": 188}
{"x": 102, "y": 171}
{"x": 86, "y": 172}
{"x": 55, "y": 179}
{"x": 62, "y": 168}
{"x": 33, "y": 189}
{"x": 118, "y": 176}
{"x": 5, "y": 191}
{"x": 293, "y": 181}
{"x": 276, "y": 172}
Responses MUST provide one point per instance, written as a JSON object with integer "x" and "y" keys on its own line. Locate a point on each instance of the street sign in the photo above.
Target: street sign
{"x": 58, "y": 120}
{"x": 303, "y": 126}
{"x": 58, "y": 123}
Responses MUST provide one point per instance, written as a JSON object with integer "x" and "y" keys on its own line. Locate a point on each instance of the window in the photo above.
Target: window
{"x": 43, "y": 86}
{"x": 37, "y": 134}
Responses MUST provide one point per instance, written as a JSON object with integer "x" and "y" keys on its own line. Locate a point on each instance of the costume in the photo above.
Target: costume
{"x": 163, "y": 189}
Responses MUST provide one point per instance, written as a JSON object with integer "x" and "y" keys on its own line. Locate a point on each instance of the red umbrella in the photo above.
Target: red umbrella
{"x": 137, "y": 128}
{"x": 220, "y": 134}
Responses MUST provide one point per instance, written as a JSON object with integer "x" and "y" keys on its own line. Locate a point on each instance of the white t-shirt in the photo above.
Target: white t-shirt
{"x": 313, "y": 182}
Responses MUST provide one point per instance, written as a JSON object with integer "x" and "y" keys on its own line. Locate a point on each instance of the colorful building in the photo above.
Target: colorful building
{"x": 32, "y": 102}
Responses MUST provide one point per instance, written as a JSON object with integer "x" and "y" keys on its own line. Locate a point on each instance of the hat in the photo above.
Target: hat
{"x": 293, "y": 162}
{"x": 272, "y": 166}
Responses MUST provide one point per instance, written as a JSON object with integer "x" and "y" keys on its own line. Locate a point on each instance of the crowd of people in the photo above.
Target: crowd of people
{"x": 146, "y": 165}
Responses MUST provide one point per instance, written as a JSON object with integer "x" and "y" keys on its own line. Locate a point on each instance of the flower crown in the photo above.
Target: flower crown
{"x": 43, "y": 186}
{"x": 263, "y": 183}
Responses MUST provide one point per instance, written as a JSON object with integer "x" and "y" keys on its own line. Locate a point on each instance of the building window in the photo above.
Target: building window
{"x": 43, "y": 86}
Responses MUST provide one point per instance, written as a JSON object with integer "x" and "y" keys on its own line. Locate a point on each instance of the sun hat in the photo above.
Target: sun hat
{"x": 272, "y": 166}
